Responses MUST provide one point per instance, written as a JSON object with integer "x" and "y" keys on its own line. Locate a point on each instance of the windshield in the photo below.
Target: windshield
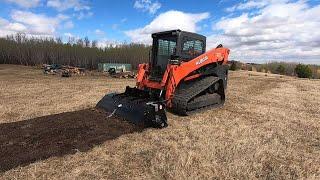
{"x": 166, "y": 48}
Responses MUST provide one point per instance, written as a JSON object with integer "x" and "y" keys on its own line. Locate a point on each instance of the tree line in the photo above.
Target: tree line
{"x": 30, "y": 51}
{"x": 282, "y": 68}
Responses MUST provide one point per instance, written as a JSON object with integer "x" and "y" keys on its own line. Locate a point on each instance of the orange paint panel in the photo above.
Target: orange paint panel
{"x": 192, "y": 77}
{"x": 151, "y": 84}
{"x": 141, "y": 72}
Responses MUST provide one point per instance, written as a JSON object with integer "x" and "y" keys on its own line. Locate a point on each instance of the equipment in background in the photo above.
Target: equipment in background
{"x": 180, "y": 77}
{"x": 114, "y": 67}
{"x": 65, "y": 71}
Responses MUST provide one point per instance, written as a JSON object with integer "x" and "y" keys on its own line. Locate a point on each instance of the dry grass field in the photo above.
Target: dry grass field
{"x": 269, "y": 128}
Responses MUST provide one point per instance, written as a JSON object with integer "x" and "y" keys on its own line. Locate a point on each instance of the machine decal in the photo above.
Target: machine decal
{"x": 202, "y": 60}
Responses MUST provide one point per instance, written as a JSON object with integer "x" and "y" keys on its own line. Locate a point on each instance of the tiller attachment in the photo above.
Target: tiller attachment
{"x": 135, "y": 105}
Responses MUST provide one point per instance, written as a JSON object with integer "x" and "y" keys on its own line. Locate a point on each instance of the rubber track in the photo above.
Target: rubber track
{"x": 204, "y": 101}
{"x": 187, "y": 91}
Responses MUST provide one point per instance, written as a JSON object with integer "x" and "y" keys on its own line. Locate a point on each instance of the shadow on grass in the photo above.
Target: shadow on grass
{"x": 25, "y": 142}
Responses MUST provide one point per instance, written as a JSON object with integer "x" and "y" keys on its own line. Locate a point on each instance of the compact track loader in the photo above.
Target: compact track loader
{"x": 181, "y": 76}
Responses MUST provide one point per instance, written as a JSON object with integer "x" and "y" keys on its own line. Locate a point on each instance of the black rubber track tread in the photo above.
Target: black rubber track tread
{"x": 204, "y": 101}
{"x": 187, "y": 91}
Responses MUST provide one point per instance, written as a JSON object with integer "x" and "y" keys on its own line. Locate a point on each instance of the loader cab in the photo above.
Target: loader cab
{"x": 174, "y": 46}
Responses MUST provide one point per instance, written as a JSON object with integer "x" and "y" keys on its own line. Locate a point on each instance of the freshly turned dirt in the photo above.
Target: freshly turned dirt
{"x": 27, "y": 141}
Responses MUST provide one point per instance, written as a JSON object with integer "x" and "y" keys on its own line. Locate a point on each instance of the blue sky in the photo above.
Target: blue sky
{"x": 115, "y": 17}
{"x": 254, "y": 30}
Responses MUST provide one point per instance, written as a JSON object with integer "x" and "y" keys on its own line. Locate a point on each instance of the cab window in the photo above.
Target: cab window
{"x": 192, "y": 47}
{"x": 166, "y": 47}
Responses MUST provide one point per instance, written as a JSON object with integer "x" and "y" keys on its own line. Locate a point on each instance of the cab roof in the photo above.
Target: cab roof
{"x": 179, "y": 32}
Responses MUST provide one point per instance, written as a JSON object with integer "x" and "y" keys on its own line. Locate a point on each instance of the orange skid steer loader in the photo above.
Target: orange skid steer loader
{"x": 180, "y": 77}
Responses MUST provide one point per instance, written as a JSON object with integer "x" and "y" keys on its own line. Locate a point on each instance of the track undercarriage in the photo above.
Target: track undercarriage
{"x": 198, "y": 95}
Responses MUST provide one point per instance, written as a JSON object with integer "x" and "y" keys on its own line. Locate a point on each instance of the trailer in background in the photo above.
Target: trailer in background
{"x": 114, "y": 67}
